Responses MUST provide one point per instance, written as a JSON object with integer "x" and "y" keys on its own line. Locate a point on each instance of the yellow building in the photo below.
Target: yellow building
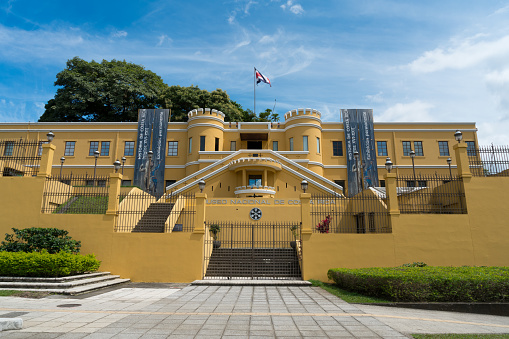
{"x": 248, "y": 182}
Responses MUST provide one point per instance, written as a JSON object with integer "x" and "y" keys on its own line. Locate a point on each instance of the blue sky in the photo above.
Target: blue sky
{"x": 408, "y": 60}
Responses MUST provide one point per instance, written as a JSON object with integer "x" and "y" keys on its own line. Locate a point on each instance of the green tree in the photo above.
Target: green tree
{"x": 107, "y": 91}
{"x": 268, "y": 115}
{"x": 181, "y": 100}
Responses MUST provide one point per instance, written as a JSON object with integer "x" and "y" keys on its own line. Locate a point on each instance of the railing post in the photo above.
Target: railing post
{"x": 305, "y": 203}
{"x": 392, "y": 194}
{"x": 114, "y": 192}
{"x": 460, "y": 150}
{"x": 48, "y": 150}
{"x": 199, "y": 221}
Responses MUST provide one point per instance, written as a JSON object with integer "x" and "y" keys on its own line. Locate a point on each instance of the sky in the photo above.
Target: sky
{"x": 410, "y": 61}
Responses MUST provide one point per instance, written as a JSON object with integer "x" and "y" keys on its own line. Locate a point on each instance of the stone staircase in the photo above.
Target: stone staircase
{"x": 71, "y": 285}
{"x": 154, "y": 218}
{"x": 257, "y": 263}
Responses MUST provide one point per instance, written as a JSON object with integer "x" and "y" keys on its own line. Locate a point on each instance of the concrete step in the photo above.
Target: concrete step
{"x": 74, "y": 290}
{"x": 251, "y": 282}
{"x": 57, "y": 285}
{"x": 55, "y": 280}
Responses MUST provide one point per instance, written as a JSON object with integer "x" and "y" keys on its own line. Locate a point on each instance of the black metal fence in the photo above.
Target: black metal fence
{"x": 76, "y": 194}
{"x": 431, "y": 194}
{"x": 142, "y": 212}
{"x": 253, "y": 250}
{"x": 19, "y": 157}
{"x": 489, "y": 161}
{"x": 365, "y": 212}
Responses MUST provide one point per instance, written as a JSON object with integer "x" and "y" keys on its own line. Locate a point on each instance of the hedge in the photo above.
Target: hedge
{"x": 44, "y": 264}
{"x": 431, "y": 284}
{"x": 36, "y": 239}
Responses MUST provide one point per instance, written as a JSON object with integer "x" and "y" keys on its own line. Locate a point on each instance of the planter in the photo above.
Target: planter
{"x": 216, "y": 244}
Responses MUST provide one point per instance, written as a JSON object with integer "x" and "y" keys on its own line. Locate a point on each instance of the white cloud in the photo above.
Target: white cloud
{"x": 294, "y": 8}
{"x": 248, "y": 5}
{"x": 375, "y": 98}
{"x": 415, "y": 111}
{"x": 467, "y": 53}
{"x": 119, "y": 34}
{"x": 498, "y": 84}
{"x": 162, "y": 39}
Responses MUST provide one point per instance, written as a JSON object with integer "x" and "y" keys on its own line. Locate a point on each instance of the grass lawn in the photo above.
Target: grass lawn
{"x": 23, "y": 294}
{"x": 84, "y": 205}
{"x": 349, "y": 297}
{"x": 460, "y": 336}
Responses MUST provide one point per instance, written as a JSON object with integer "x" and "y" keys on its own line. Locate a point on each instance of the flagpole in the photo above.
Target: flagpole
{"x": 254, "y": 90}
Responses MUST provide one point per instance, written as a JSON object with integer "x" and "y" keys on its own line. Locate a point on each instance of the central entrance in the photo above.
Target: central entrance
{"x": 253, "y": 250}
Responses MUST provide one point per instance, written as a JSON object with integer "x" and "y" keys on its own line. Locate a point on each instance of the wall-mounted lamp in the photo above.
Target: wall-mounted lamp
{"x": 50, "y": 136}
{"x": 458, "y": 136}
{"x": 116, "y": 165}
{"x": 304, "y": 185}
{"x": 388, "y": 165}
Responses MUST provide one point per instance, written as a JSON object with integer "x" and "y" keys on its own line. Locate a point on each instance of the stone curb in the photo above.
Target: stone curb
{"x": 250, "y": 282}
{"x": 10, "y": 324}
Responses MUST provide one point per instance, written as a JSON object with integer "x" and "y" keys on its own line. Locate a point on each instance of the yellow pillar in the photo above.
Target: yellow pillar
{"x": 460, "y": 150}
{"x": 114, "y": 192}
{"x": 199, "y": 220}
{"x": 244, "y": 182}
{"x": 48, "y": 150}
{"x": 392, "y": 194}
{"x": 305, "y": 205}
{"x": 264, "y": 177}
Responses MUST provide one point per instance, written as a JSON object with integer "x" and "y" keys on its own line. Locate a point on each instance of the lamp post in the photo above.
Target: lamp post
{"x": 449, "y": 160}
{"x": 304, "y": 185}
{"x": 412, "y": 155}
{"x": 50, "y": 136}
{"x": 116, "y": 165}
{"x": 458, "y": 136}
{"x": 62, "y": 160}
{"x": 201, "y": 185}
{"x": 123, "y": 163}
{"x": 96, "y": 156}
{"x": 388, "y": 165}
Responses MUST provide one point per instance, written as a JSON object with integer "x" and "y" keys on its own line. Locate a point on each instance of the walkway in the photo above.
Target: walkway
{"x": 228, "y": 312}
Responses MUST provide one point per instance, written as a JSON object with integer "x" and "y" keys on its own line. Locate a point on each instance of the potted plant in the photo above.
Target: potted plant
{"x": 214, "y": 230}
{"x": 295, "y": 233}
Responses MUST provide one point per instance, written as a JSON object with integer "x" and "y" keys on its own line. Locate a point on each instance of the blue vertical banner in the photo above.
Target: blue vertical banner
{"x": 351, "y": 145}
{"x": 152, "y": 130}
{"x": 368, "y": 150}
{"x": 159, "y": 132}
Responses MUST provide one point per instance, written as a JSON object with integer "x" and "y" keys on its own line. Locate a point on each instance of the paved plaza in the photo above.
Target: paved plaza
{"x": 228, "y": 312}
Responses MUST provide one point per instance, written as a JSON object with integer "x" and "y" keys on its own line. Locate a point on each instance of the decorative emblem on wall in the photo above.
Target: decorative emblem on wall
{"x": 255, "y": 213}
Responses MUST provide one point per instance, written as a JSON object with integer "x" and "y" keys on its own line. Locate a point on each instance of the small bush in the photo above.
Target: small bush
{"x": 44, "y": 264}
{"x": 36, "y": 239}
{"x": 431, "y": 284}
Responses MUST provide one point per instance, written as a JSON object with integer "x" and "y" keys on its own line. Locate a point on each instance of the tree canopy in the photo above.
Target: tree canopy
{"x": 115, "y": 90}
{"x": 107, "y": 91}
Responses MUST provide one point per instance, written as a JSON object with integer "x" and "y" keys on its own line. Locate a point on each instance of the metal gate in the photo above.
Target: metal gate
{"x": 253, "y": 250}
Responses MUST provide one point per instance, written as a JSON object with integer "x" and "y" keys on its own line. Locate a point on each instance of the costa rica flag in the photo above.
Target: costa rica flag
{"x": 261, "y": 78}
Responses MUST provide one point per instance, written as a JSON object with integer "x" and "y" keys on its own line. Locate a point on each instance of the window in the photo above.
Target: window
{"x": 471, "y": 150}
{"x": 129, "y": 148}
{"x": 101, "y": 183}
{"x": 305, "y": 143}
{"x": 382, "y": 183}
{"x": 39, "y": 150}
{"x": 216, "y": 145}
{"x": 190, "y": 145}
{"x": 443, "y": 147}
{"x": 233, "y": 146}
{"x": 337, "y": 148}
{"x": 371, "y": 222}
{"x": 9, "y": 148}
{"x": 94, "y": 146}
{"x": 418, "y": 148}
{"x": 340, "y": 183}
{"x": 202, "y": 143}
{"x": 255, "y": 180}
{"x": 275, "y": 146}
{"x": 173, "y": 148}
{"x": 420, "y": 183}
{"x": 126, "y": 183}
{"x": 407, "y": 147}
{"x": 317, "y": 145}
{"x": 382, "y": 148}
{"x": 291, "y": 144}
{"x": 105, "y": 148}
{"x": 69, "y": 148}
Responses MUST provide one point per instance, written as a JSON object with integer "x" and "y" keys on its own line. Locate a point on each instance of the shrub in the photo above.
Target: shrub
{"x": 36, "y": 239}
{"x": 44, "y": 264}
{"x": 432, "y": 284}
